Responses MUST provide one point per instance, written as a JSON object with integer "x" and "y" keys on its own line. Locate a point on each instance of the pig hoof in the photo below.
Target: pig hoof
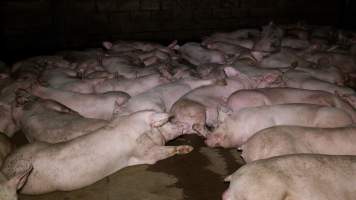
{"x": 184, "y": 149}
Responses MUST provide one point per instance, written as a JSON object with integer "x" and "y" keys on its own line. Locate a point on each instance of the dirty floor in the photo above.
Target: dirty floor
{"x": 195, "y": 176}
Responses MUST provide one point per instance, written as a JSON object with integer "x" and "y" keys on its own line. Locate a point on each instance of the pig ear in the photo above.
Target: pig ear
{"x": 19, "y": 180}
{"x": 230, "y": 71}
{"x": 174, "y": 45}
{"x": 107, "y": 45}
{"x": 228, "y": 178}
{"x": 158, "y": 119}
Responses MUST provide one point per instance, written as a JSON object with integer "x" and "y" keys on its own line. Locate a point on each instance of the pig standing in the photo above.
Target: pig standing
{"x": 240, "y": 126}
{"x": 127, "y": 140}
{"x": 307, "y": 177}
{"x": 283, "y": 140}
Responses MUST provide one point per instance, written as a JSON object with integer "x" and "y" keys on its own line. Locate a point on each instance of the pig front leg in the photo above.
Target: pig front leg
{"x": 162, "y": 152}
{"x": 150, "y": 152}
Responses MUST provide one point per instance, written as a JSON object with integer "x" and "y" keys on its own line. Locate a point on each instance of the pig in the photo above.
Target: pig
{"x": 228, "y": 49}
{"x": 125, "y": 46}
{"x": 325, "y": 72}
{"x": 307, "y": 177}
{"x": 96, "y": 106}
{"x": 345, "y": 62}
{"x": 9, "y": 186}
{"x": 282, "y": 59}
{"x": 161, "y": 98}
{"x": 199, "y": 106}
{"x": 120, "y": 65}
{"x": 50, "y": 122}
{"x": 270, "y": 40}
{"x": 85, "y": 86}
{"x": 5, "y": 147}
{"x": 237, "y": 128}
{"x": 235, "y": 35}
{"x": 195, "y": 54}
{"x": 295, "y": 43}
{"x": 126, "y": 141}
{"x": 285, "y": 140}
{"x": 303, "y": 80}
{"x": 273, "y": 96}
{"x": 132, "y": 87}
{"x": 57, "y": 77}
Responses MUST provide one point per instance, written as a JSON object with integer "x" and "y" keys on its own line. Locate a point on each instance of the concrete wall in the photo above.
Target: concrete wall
{"x": 30, "y": 27}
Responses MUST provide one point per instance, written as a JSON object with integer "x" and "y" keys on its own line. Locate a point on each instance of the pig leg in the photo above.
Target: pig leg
{"x": 157, "y": 153}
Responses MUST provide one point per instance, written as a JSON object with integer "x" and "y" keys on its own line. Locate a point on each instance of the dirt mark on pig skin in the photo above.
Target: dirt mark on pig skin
{"x": 200, "y": 173}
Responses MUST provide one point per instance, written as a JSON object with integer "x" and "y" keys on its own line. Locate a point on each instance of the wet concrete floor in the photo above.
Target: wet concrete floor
{"x": 198, "y": 175}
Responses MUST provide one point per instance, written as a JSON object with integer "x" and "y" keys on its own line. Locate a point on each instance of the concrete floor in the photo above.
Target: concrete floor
{"x": 195, "y": 176}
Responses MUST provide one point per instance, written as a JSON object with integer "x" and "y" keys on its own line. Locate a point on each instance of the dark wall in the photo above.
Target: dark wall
{"x": 30, "y": 27}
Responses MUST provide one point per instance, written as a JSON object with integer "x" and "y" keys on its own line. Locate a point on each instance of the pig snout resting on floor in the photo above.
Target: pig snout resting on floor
{"x": 127, "y": 140}
{"x": 307, "y": 177}
{"x": 273, "y": 96}
{"x": 240, "y": 126}
{"x": 9, "y": 187}
{"x": 283, "y": 140}
{"x": 97, "y": 106}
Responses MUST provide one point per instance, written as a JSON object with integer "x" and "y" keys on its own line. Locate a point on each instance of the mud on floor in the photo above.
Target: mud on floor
{"x": 198, "y": 175}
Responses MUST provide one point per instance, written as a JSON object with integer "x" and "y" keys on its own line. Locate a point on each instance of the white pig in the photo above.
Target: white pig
{"x": 241, "y": 125}
{"x": 126, "y": 141}
{"x": 283, "y": 140}
{"x": 307, "y": 177}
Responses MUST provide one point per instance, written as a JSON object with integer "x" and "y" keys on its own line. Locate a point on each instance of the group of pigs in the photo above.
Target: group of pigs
{"x": 271, "y": 92}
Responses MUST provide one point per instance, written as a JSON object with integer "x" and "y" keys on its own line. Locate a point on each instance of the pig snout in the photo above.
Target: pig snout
{"x": 214, "y": 140}
{"x": 227, "y": 195}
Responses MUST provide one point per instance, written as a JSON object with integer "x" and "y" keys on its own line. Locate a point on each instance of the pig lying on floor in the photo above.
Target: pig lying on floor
{"x": 96, "y": 106}
{"x": 307, "y": 177}
{"x": 282, "y": 140}
{"x": 127, "y": 140}
{"x": 49, "y": 121}
{"x": 273, "y": 96}
{"x": 241, "y": 125}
